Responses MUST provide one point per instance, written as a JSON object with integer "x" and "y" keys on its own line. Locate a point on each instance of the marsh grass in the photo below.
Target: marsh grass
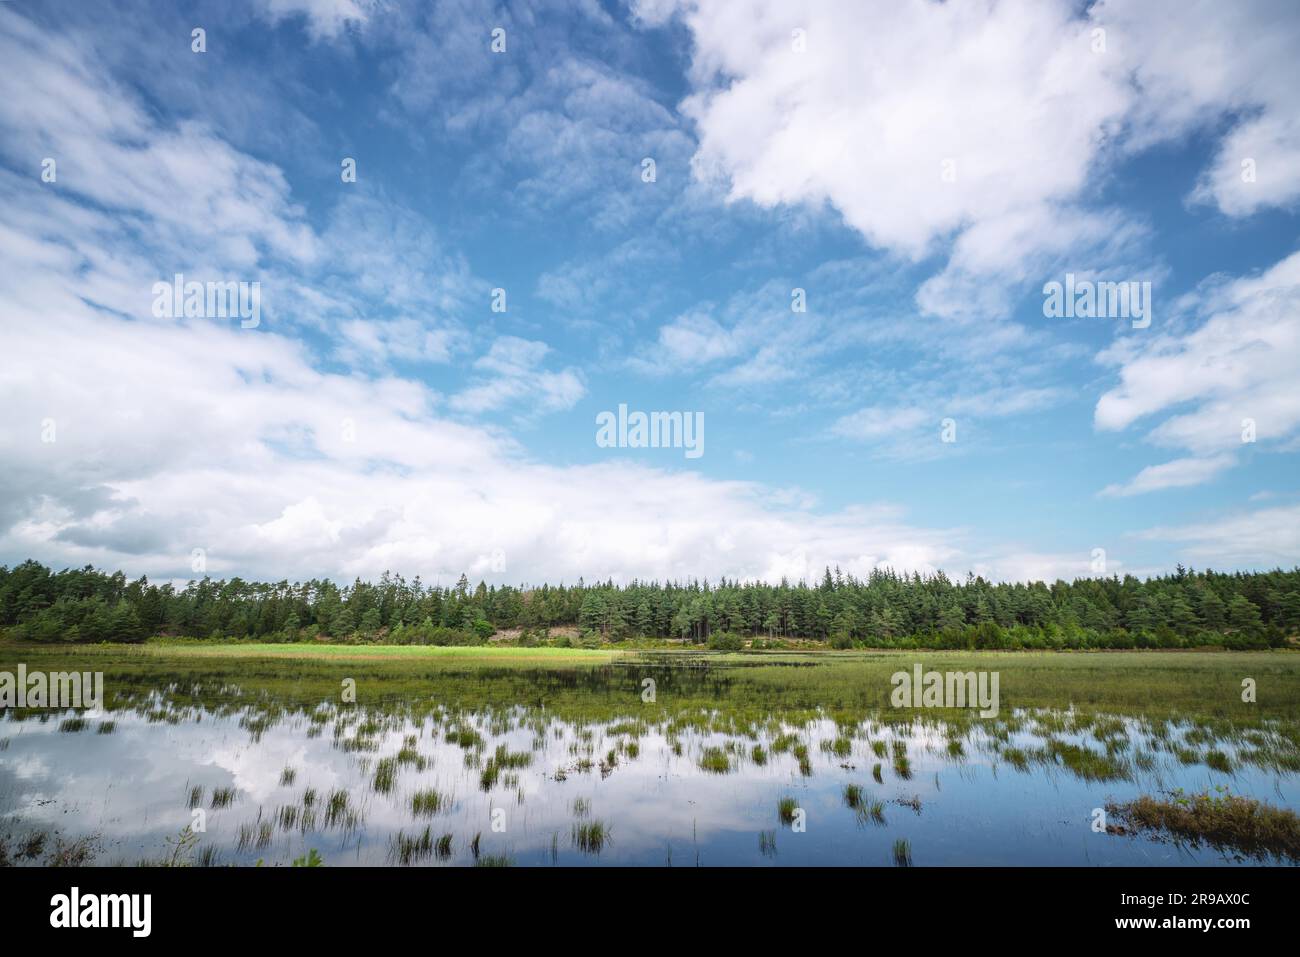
{"x": 385, "y": 775}
{"x": 800, "y": 752}
{"x": 1131, "y": 713}
{"x": 407, "y": 849}
{"x": 590, "y": 837}
{"x": 1224, "y": 821}
{"x": 715, "y": 760}
{"x": 902, "y": 853}
{"x": 786, "y": 809}
{"x": 428, "y": 802}
{"x": 1086, "y": 763}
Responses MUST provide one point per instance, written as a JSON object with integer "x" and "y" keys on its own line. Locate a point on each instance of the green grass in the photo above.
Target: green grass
{"x": 902, "y": 853}
{"x": 786, "y": 809}
{"x": 429, "y": 802}
{"x": 715, "y": 760}
{"x": 472, "y": 653}
{"x": 590, "y": 837}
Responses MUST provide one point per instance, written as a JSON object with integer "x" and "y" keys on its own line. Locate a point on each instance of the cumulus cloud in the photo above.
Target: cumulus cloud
{"x": 129, "y": 440}
{"x": 984, "y": 123}
{"x": 1229, "y": 380}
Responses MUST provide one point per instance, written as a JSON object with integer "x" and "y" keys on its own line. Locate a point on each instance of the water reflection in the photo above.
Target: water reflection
{"x": 412, "y": 779}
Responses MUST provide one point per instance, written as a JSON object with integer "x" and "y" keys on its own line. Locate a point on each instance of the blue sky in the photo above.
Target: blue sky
{"x": 920, "y": 170}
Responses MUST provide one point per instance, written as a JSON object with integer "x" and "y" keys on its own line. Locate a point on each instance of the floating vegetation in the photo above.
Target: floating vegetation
{"x": 801, "y": 755}
{"x": 902, "y": 853}
{"x": 1085, "y": 762}
{"x": 467, "y": 738}
{"x": 784, "y": 743}
{"x": 864, "y": 808}
{"x": 590, "y": 837}
{"x": 410, "y": 849}
{"x": 914, "y": 802}
{"x": 1224, "y": 821}
{"x": 786, "y": 809}
{"x": 385, "y": 775}
{"x": 1218, "y": 761}
{"x": 715, "y": 760}
{"x": 502, "y": 759}
{"x": 429, "y": 802}
{"x": 286, "y": 817}
{"x": 755, "y": 717}
{"x": 339, "y": 812}
{"x": 1017, "y": 758}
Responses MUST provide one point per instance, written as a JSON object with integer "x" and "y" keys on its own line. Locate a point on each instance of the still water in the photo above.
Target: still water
{"x": 408, "y": 778}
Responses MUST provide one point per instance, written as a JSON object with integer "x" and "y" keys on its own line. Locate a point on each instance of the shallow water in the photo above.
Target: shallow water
{"x": 1018, "y": 790}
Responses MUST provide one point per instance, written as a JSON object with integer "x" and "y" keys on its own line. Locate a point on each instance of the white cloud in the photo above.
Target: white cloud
{"x": 1180, "y": 473}
{"x": 209, "y": 203}
{"x": 885, "y": 94}
{"x": 322, "y": 18}
{"x": 1021, "y": 97}
{"x": 514, "y": 376}
{"x": 1268, "y": 537}
{"x": 1197, "y": 63}
{"x": 1236, "y": 372}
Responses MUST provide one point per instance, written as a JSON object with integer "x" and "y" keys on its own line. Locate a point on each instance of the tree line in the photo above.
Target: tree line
{"x": 886, "y": 609}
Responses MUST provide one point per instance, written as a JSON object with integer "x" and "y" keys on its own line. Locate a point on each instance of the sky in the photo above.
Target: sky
{"x": 822, "y": 230}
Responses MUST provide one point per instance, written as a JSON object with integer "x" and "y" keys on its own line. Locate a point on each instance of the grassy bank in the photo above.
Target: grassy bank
{"x": 1202, "y": 684}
